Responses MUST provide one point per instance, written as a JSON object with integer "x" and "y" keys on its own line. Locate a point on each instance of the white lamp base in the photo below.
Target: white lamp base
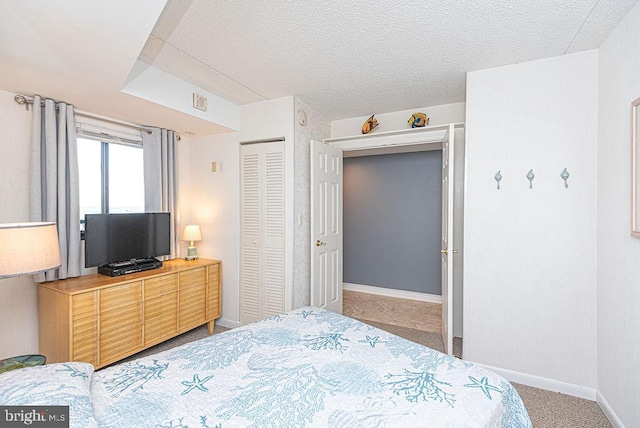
{"x": 191, "y": 253}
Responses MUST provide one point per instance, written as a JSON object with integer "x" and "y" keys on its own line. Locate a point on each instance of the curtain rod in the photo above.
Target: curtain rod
{"x": 22, "y": 99}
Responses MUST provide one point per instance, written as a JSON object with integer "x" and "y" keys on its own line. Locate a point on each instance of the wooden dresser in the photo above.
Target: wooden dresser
{"x": 100, "y": 319}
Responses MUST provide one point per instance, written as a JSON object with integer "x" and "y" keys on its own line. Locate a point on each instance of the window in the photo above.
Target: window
{"x": 111, "y": 177}
{"x": 90, "y": 177}
{"x": 111, "y": 170}
{"x": 126, "y": 179}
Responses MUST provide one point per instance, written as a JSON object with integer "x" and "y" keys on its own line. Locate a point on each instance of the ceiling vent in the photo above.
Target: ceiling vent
{"x": 199, "y": 102}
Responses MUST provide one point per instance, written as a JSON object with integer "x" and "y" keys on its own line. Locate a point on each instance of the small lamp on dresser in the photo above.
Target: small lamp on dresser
{"x": 191, "y": 233}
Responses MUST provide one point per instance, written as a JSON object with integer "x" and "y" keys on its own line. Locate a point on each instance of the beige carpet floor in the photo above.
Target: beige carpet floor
{"x": 546, "y": 409}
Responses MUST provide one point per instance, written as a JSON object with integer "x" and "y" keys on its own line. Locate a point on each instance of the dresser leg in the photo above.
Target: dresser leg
{"x": 211, "y": 325}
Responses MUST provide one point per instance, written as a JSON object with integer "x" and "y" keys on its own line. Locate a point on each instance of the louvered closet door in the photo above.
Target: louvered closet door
{"x": 262, "y": 231}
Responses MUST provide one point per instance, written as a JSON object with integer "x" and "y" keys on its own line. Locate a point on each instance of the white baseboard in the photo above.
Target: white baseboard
{"x": 544, "y": 383}
{"x": 389, "y": 292}
{"x": 608, "y": 411}
{"x": 222, "y": 322}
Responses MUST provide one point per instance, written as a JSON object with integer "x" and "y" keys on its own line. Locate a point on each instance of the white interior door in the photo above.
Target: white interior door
{"x": 447, "y": 250}
{"x": 326, "y": 226}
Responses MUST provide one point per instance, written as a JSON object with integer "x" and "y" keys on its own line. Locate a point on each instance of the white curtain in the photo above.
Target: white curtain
{"x": 161, "y": 179}
{"x": 54, "y": 189}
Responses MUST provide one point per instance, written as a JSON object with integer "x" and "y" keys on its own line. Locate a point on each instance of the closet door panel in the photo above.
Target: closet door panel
{"x": 274, "y": 198}
{"x": 262, "y": 231}
{"x": 250, "y": 304}
{"x": 274, "y": 282}
{"x": 250, "y": 234}
{"x": 274, "y": 232}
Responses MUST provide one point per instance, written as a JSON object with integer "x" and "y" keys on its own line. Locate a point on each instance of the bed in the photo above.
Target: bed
{"x": 307, "y": 367}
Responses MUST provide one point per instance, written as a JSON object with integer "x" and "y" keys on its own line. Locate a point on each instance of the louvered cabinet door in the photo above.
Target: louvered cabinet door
{"x": 192, "y": 298}
{"x": 160, "y": 308}
{"x": 262, "y": 231}
{"x": 214, "y": 292}
{"x": 84, "y": 325}
{"x": 120, "y": 321}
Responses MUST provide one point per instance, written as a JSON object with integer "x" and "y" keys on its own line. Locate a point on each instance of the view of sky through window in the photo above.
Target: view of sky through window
{"x": 125, "y": 178}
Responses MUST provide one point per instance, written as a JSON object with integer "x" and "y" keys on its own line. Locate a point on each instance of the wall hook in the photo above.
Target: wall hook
{"x": 530, "y": 177}
{"x": 565, "y": 176}
{"x": 498, "y": 177}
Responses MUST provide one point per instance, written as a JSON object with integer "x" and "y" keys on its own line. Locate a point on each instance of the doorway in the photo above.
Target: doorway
{"x": 417, "y": 140}
{"x": 392, "y": 231}
{"x": 392, "y": 222}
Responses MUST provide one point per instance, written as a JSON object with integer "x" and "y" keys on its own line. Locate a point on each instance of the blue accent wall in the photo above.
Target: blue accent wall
{"x": 392, "y": 212}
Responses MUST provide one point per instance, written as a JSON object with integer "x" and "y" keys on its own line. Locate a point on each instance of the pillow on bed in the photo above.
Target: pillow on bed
{"x": 63, "y": 384}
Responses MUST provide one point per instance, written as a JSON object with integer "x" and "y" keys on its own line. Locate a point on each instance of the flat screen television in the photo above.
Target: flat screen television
{"x": 115, "y": 238}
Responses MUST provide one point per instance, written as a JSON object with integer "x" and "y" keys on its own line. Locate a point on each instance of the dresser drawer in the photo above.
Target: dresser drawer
{"x": 192, "y": 307}
{"x": 159, "y": 286}
{"x": 83, "y": 305}
{"x": 160, "y": 318}
{"x": 83, "y": 342}
{"x": 120, "y": 332}
{"x": 120, "y": 295}
{"x": 192, "y": 277}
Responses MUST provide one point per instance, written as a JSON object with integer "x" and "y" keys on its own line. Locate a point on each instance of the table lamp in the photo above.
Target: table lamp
{"x": 27, "y": 248}
{"x": 191, "y": 233}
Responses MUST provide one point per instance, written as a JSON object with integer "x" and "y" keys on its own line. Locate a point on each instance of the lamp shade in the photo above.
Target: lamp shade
{"x": 192, "y": 233}
{"x": 27, "y": 248}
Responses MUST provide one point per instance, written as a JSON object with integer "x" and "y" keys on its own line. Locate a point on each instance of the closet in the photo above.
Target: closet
{"x": 262, "y": 220}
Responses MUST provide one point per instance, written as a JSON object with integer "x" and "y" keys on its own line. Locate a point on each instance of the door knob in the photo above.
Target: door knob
{"x": 319, "y": 242}
{"x": 446, "y": 251}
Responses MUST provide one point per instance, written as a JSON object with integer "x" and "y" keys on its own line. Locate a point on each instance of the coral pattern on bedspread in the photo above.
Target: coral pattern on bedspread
{"x": 61, "y": 384}
{"x": 308, "y": 367}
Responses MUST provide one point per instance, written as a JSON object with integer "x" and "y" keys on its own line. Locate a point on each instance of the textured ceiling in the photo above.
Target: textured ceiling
{"x": 355, "y": 58}
{"x": 83, "y": 55}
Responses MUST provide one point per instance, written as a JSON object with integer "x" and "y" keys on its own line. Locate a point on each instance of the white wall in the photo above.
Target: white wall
{"x": 530, "y": 254}
{"x": 393, "y": 121}
{"x": 213, "y": 199}
{"x": 618, "y": 252}
{"x": 19, "y": 303}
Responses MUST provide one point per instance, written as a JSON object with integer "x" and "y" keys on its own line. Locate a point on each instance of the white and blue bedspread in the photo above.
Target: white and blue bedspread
{"x": 308, "y": 367}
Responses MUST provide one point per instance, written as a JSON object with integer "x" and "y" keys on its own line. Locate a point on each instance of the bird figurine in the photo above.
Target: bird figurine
{"x": 418, "y": 120}
{"x": 369, "y": 125}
